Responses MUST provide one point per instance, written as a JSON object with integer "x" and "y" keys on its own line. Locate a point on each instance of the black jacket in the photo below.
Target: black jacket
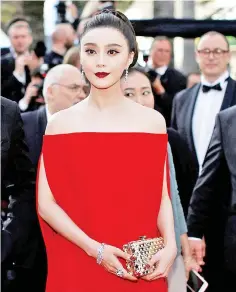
{"x": 173, "y": 81}
{"x": 183, "y": 167}
{"x": 11, "y": 87}
{"x": 35, "y": 123}
{"x": 219, "y": 169}
{"x": 18, "y": 185}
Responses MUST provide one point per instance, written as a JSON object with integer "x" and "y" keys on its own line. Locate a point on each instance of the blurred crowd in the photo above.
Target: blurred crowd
{"x": 201, "y": 131}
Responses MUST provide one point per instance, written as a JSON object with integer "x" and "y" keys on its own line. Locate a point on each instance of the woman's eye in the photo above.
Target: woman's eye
{"x": 90, "y": 52}
{"x": 112, "y": 52}
{"x": 146, "y": 92}
{"x": 129, "y": 94}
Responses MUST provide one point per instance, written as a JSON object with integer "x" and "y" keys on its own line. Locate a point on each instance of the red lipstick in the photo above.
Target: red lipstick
{"x": 101, "y": 74}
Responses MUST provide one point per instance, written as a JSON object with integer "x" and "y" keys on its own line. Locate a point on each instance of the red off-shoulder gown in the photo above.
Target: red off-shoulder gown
{"x": 110, "y": 185}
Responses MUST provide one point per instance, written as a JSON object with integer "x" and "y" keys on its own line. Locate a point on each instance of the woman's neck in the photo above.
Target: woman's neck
{"x": 103, "y": 99}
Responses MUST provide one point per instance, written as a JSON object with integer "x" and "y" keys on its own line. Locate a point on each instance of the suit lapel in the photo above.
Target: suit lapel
{"x": 41, "y": 127}
{"x": 229, "y": 94}
{"x": 189, "y": 118}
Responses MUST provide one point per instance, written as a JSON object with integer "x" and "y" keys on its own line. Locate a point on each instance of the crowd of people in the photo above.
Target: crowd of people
{"x": 97, "y": 87}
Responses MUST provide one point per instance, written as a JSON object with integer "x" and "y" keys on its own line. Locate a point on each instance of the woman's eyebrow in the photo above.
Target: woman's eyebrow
{"x": 129, "y": 88}
{"x": 109, "y": 45}
{"x": 145, "y": 87}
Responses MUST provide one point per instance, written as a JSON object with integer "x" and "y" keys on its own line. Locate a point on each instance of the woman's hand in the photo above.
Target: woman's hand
{"x": 191, "y": 264}
{"x": 163, "y": 260}
{"x": 111, "y": 263}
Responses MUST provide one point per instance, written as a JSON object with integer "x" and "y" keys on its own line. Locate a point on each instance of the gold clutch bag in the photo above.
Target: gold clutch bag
{"x": 141, "y": 252}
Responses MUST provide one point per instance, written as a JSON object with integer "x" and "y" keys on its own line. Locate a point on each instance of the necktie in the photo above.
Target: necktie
{"x": 206, "y": 88}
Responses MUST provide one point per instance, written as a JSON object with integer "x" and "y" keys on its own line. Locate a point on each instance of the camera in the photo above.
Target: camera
{"x": 109, "y": 5}
{"x": 61, "y": 12}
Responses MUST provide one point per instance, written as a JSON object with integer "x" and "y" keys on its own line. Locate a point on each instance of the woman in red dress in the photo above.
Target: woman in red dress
{"x": 101, "y": 180}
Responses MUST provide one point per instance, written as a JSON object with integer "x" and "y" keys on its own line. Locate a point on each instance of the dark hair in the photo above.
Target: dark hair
{"x": 40, "y": 49}
{"x": 118, "y": 21}
{"x": 135, "y": 69}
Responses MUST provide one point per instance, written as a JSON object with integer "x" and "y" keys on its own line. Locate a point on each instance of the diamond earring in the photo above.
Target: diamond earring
{"x": 126, "y": 74}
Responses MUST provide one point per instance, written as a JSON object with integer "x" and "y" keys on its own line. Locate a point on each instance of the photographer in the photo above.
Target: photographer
{"x": 33, "y": 98}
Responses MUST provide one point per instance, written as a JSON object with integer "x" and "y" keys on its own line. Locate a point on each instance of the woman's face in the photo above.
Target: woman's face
{"x": 138, "y": 88}
{"x": 104, "y": 56}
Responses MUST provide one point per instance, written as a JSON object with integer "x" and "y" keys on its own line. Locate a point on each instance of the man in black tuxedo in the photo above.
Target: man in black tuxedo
{"x": 15, "y": 75}
{"x": 63, "y": 87}
{"x": 166, "y": 81}
{"x": 219, "y": 168}
{"x": 19, "y": 229}
{"x": 194, "y": 112}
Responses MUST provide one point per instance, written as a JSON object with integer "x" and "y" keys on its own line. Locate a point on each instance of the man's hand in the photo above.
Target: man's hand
{"x": 198, "y": 250}
{"x": 159, "y": 89}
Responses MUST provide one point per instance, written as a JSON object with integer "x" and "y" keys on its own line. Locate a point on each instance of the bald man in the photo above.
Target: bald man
{"x": 63, "y": 39}
{"x": 63, "y": 87}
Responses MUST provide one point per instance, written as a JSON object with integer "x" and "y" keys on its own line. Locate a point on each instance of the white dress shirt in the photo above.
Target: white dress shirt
{"x": 207, "y": 106}
{"x": 48, "y": 114}
{"x": 160, "y": 70}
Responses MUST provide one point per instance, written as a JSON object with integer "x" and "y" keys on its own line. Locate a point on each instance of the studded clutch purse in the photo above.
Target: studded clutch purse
{"x": 141, "y": 252}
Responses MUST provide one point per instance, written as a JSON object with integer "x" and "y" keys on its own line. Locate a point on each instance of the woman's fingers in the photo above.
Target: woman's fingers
{"x": 115, "y": 267}
{"x": 119, "y": 253}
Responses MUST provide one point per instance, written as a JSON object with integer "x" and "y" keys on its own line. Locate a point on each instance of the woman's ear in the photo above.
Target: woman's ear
{"x": 130, "y": 59}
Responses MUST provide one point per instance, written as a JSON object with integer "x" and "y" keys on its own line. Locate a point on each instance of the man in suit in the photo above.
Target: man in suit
{"x": 15, "y": 75}
{"x": 19, "y": 230}
{"x": 63, "y": 87}
{"x": 219, "y": 168}
{"x": 166, "y": 81}
{"x": 195, "y": 109}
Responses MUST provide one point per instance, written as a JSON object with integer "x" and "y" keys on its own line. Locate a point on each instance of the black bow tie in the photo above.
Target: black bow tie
{"x": 206, "y": 88}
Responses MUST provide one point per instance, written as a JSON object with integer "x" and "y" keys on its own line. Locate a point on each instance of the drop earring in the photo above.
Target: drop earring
{"x": 82, "y": 72}
{"x": 126, "y": 74}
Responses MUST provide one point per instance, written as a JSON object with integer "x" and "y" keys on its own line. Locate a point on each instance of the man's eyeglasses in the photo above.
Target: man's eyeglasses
{"x": 216, "y": 52}
{"x": 72, "y": 87}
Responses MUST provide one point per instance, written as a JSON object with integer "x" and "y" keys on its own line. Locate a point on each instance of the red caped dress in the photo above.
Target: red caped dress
{"x": 110, "y": 185}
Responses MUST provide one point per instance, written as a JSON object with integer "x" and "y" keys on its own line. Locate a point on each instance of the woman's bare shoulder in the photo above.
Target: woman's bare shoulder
{"x": 151, "y": 119}
{"x": 62, "y": 121}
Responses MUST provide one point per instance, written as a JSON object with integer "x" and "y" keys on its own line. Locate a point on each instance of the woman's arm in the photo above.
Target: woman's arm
{"x": 54, "y": 215}
{"x": 165, "y": 220}
{"x": 165, "y": 223}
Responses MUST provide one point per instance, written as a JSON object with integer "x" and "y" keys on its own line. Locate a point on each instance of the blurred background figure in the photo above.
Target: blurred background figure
{"x": 15, "y": 74}
{"x": 63, "y": 87}
{"x": 193, "y": 78}
{"x": 72, "y": 57}
{"x": 63, "y": 39}
{"x": 166, "y": 81}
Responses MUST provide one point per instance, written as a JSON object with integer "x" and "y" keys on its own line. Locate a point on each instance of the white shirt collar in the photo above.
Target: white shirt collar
{"x": 48, "y": 114}
{"x": 161, "y": 70}
{"x": 220, "y": 80}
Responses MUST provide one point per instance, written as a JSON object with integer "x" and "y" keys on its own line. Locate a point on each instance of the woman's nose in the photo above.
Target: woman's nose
{"x": 101, "y": 60}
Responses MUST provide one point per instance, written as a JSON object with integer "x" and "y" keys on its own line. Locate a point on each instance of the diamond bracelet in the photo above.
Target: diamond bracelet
{"x": 100, "y": 253}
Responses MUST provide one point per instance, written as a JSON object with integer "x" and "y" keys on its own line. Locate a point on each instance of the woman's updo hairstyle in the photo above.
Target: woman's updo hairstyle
{"x": 116, "y": 20}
